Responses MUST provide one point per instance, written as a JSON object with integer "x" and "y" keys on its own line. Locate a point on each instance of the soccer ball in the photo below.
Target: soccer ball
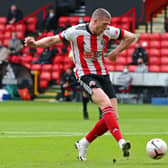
{"x": 156, "y": 148}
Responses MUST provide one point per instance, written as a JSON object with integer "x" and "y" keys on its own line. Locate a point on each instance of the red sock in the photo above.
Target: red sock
{"x": 112, "y": 123}
{"x": 99, "y": 129}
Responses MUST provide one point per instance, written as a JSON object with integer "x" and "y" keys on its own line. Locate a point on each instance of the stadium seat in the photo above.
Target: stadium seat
{"x": 115, "y": 20}
{"x": 119, "y": 67}
{"x": 129, "y": 59}
{"x": 133, "y": 45}
{"x": 47, "y": 68}
{"x": 8, "y": 35}
{"x": 110, "y": 67}
{"x": 164, "y": 60}
{"x": 155, "y": 44}
{"x": 3, "y": 20}
{"x": 164, "y": 36}
{"x": 1, "y": 36}
{"x": 145, "y": 44}
{"x": 164, "y": 68}
{"x": 155, "y": 36}
{"x": 63, "y": 21}
{"x": 86, "y": 19}
{"x": 43, "y": 84}
{"x": 26, "y": 59}
{"x": 45, "y": 76}
{"x": 124, "y": 53}
{"x": 20, "y": 35}
{"x": 36, "y": 67}
{"x": 132, "y": 68}
{"x": 39, "y": 50}
{"x": 56, "y": 76}
{"x": 154, "y": 68}
{"x": 10, "y": 27}
{"x": 144, "y": 36}
{"x": 164, "y": 43}
{"x": 74, "y": 20}
{"x": 154, "y": 60}
{"x": 20, "y": 27}
{"x": 154, "y": 52}
{"x": 121, "y": 61}
{"x": 6, "y": 42}
{"x": 58, "y": 59}
{"x": 164, "y": 52}
{"x": 2, "y": 27}
{"x": 130, "y": 51}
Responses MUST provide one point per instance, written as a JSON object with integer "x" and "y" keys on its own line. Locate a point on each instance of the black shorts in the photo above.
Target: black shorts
{"x": 97, "y": 81}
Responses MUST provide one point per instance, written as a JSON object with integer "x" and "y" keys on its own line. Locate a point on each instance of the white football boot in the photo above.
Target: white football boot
{"x": 82, "y": 149}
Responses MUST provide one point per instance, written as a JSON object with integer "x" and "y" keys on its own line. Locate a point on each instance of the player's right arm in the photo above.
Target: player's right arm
{"x": 42, "y": 43}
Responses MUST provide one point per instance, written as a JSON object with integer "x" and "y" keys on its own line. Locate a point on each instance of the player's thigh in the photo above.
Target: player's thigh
{"x": 100, "y": 98}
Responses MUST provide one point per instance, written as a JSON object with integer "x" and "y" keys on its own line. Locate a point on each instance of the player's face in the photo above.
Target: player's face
{"x": 101, "y": 25}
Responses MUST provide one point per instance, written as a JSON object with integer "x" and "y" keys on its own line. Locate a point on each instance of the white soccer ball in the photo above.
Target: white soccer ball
{"x": 156, "y": 148}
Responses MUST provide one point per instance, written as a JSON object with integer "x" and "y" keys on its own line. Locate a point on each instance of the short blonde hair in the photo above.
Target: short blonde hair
{"x": 100, "y": 13}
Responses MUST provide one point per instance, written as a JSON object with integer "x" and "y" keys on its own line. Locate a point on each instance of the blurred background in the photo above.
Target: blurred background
{"x": 140, "y": 74}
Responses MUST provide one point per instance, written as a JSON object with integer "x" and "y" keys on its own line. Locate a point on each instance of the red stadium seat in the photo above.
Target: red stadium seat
{"x": 115, "y": 20}
{"x": 164, "y": 68}
{"x": 74, "y": 20}
{"x": 154, "y": 52}
{"x": 154, "y": 60}
{"x": 1, "y": 36}
{"x": 132, "y": 68}
{"x": 36, "y": 67}
{"x": 3, "y": 20}
{"x": 86, "y": 19}
{"x": 144, "y": 44}
{"x": 164, "y": 36}
{"x": 164, "y": 60}
{"x": 58, "y": 60}
{"x": 155, "y": 36}
{"x": 133, "y": 45}
{"x": 155, "y": 44}
{"x": 119, "y": 67}
{"x": 6, "y": 42}
{"x": 130, "y": 51}
{"x": 8, "y": 35}
{"x": 63, "y": 21}
{"x": 10, "y": 27}
{"x": 144, "y": 36}
{"x": 56, "y": 76}
{"x": 43, "y": 84}
{"x": 20, "y": 27}
{"x": 47, "y": 68}
{"x": 26, "y": 59}
{"x": 129, "y": 59}
{"x": 121, "y": 61}
{"x": 45, "y": 76}
{"x": 2, "y": 27}
{"x": 20, "y": 35}
{"x": 110, "y": 67}
{"x": 164, "y": 43}
{"x": 164, "y": 52}
{"x": 154, "y": 68}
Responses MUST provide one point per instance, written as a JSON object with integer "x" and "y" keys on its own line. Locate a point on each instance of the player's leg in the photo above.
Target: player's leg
{"x": 85, "y": 100}
{"x": 115, "y": 107}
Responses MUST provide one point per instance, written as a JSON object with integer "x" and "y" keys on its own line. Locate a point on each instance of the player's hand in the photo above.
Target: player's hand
{"x": 30, "y": 42}
{"x": 112, "y": 56}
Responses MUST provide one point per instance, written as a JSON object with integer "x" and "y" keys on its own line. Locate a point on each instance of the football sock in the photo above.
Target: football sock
{"x": 84, "y": 142}
{"x": 112, "y": 123}
{"x": 121, "y": 142}
{"x": 99, "y": 129}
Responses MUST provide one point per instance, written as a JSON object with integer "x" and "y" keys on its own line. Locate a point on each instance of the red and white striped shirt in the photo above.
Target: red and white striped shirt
{"x": 88, "y": 49}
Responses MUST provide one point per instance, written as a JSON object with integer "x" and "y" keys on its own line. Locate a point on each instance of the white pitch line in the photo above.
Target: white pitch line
{"x": 28, "y": 134}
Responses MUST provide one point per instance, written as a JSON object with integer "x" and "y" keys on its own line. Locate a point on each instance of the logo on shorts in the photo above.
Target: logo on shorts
{"x": 92, "y": 83}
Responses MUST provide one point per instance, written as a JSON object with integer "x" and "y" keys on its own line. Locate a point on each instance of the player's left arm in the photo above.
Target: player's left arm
{"x": 127, "y": 39}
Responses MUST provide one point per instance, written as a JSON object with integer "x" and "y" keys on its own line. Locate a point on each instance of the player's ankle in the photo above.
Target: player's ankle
{"x": 121, "y": 142}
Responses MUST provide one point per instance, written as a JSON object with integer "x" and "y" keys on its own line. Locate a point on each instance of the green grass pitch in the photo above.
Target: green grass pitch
{"x": 42, "y": 135}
